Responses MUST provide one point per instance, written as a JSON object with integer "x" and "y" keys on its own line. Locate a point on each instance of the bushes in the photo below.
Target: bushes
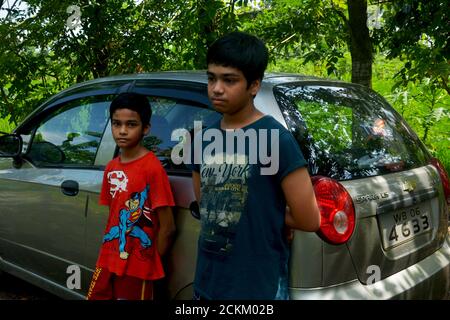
{"x": 5, "y": 125}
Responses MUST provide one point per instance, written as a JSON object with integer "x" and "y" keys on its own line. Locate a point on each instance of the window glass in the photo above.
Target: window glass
{"x": 169, "y": 115}
{"x": 71, "y": 134}
{"x": 349, "y": 132}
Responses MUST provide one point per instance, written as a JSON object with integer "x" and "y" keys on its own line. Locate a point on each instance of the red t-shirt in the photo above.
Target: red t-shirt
{"x": 133, "y": 190}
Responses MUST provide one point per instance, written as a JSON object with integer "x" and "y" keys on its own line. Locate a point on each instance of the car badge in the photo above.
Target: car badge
{"x": 409, "y": 185}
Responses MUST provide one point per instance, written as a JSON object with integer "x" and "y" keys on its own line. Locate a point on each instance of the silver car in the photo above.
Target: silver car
{"x": 384, "y": 200}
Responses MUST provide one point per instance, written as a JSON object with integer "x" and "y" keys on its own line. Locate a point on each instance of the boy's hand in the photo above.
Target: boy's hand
{"x": 289, "y": 233}
{"x": 123, "y": 255}
{"x": 303, "y": 212}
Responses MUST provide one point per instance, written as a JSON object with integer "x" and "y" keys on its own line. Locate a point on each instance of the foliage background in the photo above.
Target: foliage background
{"x": 408, "y": 42}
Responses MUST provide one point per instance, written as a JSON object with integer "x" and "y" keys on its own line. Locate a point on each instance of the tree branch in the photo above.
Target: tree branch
{"x": 9, "y": 10}
{"x": 444, "y": 85}
{"x": 339, "y": 13}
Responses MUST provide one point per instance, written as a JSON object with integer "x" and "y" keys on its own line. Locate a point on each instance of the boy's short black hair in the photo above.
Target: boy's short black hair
{"x": 133, "y": 101}
{"x": 242, "y": 51}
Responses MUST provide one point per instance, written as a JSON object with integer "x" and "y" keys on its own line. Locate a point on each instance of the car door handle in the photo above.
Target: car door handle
{"x": 195, "y": 210}
{"x": 70, "y": 188}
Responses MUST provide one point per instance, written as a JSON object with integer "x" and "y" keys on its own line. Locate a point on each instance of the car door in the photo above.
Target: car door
{"x": 44, "y": 200}
{"x": 172, "y": 109}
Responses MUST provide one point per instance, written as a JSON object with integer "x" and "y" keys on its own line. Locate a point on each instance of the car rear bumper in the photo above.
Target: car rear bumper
{"x": 428, "y": 279}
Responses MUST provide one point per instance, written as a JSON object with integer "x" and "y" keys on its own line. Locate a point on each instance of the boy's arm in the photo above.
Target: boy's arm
{"x": 303, "y": 212}
{"x": 196, "y": 182}
{"x": 166, "y": 229}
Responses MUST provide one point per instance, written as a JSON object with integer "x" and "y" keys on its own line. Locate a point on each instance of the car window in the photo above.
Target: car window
{"x": 70, "y": 135}
{"x": 169, "y": 115}
{"x": 349, "y": 132}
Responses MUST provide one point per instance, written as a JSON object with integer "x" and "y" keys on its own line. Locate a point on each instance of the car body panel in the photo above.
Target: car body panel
{"x": 36, "y": 207}
{"x": 365, "y": 245}
{"x": 427, "y": 279}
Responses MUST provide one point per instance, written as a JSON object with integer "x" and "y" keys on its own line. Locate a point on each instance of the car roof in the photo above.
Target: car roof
{"x": 199, "y": 76}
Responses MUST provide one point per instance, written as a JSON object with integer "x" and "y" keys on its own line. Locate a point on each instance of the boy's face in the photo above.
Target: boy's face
{"x": 227, "y": 89}
{"x": 127, "y": 128}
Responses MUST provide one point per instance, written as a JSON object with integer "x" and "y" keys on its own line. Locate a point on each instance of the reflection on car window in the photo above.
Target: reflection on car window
{"x": 71, "y": 135}
{"x": 322, "y": 119}
{"x": 169, "y": 115}
{"x": 348, "y": 132}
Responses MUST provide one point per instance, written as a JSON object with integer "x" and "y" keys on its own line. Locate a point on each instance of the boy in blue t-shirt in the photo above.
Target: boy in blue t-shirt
{"x": 250, "y": 170}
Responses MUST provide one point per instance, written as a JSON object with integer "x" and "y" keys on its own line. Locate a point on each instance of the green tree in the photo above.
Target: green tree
{"x": 418, "y": 32}
{"x": 318, "y": 31}
{"x": 42, "y": 52}
{"x": 310, "y": 30}
{"x": 198, "y": 23}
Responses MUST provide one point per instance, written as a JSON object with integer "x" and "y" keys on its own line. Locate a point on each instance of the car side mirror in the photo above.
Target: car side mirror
{"x": 10, "y": 146}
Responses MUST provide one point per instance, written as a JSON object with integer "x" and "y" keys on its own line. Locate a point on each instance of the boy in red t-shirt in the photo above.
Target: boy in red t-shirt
{"x": 140, "y": 223}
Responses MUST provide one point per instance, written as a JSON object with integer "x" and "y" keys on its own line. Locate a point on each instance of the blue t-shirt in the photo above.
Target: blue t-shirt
{"x": 242, "y": 247}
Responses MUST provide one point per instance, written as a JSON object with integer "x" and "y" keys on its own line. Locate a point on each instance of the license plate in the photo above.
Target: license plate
{"x": 405, "y": 224}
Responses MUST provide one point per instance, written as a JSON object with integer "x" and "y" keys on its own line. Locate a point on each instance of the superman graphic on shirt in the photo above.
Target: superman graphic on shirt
{"x": 128, "y": 217}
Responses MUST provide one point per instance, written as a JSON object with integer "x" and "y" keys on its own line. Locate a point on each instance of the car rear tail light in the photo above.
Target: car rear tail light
{"x": 444, "y": 178}
{"x": 336, "y": 210}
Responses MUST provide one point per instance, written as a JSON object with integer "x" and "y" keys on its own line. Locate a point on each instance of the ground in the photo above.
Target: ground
{"x": 12, "y": 288}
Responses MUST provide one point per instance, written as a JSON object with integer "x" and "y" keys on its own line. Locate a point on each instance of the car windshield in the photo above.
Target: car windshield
{"x": 348, "y": 132}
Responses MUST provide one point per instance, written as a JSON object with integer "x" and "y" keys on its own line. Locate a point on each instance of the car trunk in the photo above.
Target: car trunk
{"x": 400, "y": 220}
